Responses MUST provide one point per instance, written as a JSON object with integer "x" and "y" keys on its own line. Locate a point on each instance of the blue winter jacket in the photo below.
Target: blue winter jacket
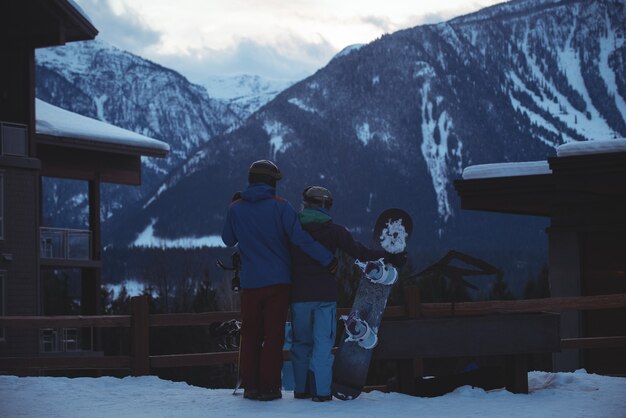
{"x": 264, "y": 225}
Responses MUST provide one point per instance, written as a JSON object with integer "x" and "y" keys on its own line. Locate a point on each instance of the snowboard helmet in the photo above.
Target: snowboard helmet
{"x": 264, "y": 171}
{"x": 317, "y": 196}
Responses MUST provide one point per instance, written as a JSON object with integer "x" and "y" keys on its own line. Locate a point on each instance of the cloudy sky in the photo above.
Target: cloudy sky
{"x": 280, "y": 39}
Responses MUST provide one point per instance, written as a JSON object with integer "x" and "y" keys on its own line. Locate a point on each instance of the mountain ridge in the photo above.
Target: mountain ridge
{"x": 394, "y": 122}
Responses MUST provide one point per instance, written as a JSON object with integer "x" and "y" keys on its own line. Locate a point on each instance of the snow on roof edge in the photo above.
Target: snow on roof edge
{"x": 529, "y": 168}
{"x": 57, "y": 122}
{"x": 80, "y": 10}
{"x": 514, "y": 169}
{"x": 598, "y": 146}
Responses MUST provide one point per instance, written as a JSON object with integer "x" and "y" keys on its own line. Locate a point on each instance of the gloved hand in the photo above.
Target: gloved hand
{"x": 397, "y": 260}
{"x": 332, "y": 266}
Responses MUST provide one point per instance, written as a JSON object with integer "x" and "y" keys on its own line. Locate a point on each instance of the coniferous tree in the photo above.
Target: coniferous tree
{"x": 538, "y": 287}
{"x": 500, "y": 289}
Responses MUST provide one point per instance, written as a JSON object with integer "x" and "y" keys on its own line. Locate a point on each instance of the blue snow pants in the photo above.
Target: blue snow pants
{"x": 314, "y": 327}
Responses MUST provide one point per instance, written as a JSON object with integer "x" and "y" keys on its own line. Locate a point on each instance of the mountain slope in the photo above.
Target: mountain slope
{"x": 97, "y": 80}
{"x": 394, "y": 122}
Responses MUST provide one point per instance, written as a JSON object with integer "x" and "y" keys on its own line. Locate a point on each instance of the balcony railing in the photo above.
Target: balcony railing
{"x": 59, "y": 340}
{"x": 65, "y": 244}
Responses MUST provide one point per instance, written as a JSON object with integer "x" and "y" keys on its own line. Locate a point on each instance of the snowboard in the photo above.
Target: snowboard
{"x": 391, "y": 232}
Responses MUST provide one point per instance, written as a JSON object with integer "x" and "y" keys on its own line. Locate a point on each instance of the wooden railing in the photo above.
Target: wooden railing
{"x": 140, "y": 362}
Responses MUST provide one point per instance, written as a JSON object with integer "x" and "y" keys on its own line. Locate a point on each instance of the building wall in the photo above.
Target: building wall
{"x": 564, "y": 267}
{"x": 588, "y": 258}
{"x": 603, "y": 273}
{"x": 15, "y": 84}
{"x": 19, "y": 252}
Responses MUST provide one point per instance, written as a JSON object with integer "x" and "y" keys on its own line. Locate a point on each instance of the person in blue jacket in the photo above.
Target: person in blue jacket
{"x": 264, "y": 226}
{"x": 314, "y": 296}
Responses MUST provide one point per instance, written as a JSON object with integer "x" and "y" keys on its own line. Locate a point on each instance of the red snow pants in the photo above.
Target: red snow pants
{"x": 263, "y": 316}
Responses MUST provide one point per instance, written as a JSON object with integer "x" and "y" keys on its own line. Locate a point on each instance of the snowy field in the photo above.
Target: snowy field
{"x": 553, "y": 395}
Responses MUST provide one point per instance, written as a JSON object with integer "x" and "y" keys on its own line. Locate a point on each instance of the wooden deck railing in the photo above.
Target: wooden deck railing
{"x": 140, "y": 362}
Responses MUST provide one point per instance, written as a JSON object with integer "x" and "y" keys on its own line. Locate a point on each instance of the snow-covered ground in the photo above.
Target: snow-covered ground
{"x": 553, "y": 395}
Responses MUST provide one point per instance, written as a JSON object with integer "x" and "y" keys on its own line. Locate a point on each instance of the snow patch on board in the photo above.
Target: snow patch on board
{"x": 393, "y": 236}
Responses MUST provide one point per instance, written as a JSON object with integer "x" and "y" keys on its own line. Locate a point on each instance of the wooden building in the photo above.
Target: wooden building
{"x": 583, "y": 192}
{"x": 37, "y": 140}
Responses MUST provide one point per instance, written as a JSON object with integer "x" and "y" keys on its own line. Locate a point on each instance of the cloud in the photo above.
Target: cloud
{"x": 292, "y": 59}
{"x": 282, "y": 39}
{"x": 124, "y": 30}
{"x": 382, "y": 23}
{"x": 287, "y": 56}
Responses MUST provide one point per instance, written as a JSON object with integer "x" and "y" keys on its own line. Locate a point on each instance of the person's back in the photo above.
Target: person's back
{"x": 258, "y": 218}
{"x": 310, "y": 281}
{"x": 263, "y": 226}
{"x": 314, "y": 297}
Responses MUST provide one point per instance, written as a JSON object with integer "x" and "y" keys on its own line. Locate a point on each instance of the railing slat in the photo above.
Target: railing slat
{"x": 562, "y": 304}
{"x": 184, "y": 319}
{"x": 196, "y": 359}
{"x": 427, "y": 309}
{"x": 593, "y": 342}
{"x": 61, "y": 321}
{"x": 65, "y": 363}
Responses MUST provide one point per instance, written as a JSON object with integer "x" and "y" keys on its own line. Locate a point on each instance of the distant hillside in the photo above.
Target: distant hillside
{"x": 97, "y": 80}
{"x": 394, "y": 122}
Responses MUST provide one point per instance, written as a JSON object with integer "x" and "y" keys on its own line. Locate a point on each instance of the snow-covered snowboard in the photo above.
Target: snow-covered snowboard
{"x": 391, "y": 233}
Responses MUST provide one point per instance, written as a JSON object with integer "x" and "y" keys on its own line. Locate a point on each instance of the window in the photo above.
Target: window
{"x": 2, "y": 313}
{"x": 13, "y": 139}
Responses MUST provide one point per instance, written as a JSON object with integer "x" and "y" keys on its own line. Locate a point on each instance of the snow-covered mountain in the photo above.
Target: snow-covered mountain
{"x": 394, "y": 122}
{"x": 97, "y": 80}
{"x": 244, "y": 93}
{"x": 390, "y": 123}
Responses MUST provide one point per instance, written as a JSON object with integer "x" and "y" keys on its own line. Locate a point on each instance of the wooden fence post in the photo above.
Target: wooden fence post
{"x": 408, "y": 370}
{"x": 140, "y": 336}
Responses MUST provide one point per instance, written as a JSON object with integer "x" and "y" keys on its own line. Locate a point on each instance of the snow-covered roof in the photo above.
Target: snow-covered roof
{"x": 529, "y": 168}
{"x": 56, "y": 122}
{"x": 542, "y": 167}
{"x": 80, "y": 10}
{"x": 592, "y": 147}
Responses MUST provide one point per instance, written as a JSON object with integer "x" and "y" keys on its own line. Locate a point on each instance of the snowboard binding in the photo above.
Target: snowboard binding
{"x": 378, "y": 272}
{"x": 358, "y": 330}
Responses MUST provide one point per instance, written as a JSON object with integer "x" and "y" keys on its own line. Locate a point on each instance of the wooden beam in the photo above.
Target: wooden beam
{"x": 198, "y": 359}
{"x": 91, "y": 165}
{"x": 593, "y": 342}
{"x": 65, "y": 263}
{"x": 561, "y": 304}
{"x": 468, "y": 336}
{"x": 140, "y": 336}
{"x": 182, "y": 319}
{"x": 427, "y": 310}
{"x": 516, "y": 373}
{"x": 65, "y": 363}
{"x": 62, "y": 321}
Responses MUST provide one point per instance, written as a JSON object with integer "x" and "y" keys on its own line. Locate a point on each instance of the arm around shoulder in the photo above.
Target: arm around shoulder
{"x": 347, "y": 243}
{"x": 301, "y": 239}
